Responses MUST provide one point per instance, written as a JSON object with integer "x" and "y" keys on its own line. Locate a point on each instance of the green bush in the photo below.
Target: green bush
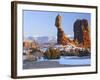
{"x": 52, "y": 53}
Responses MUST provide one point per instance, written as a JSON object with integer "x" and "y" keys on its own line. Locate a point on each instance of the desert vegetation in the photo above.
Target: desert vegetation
{"x": 52, "y": 53}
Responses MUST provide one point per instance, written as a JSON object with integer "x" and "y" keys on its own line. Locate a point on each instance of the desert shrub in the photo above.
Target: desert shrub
{"x": 24, "y": 53}
{"x": 33, "y": 50}
{"x": 69, "y": 53}
{"x": 84, "y": 53}
{"x": 52, "y": 53}
{"x": 79, "y": 53}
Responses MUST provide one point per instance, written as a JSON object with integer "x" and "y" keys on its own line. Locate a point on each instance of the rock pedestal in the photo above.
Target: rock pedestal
{"x": 61, "y": 37}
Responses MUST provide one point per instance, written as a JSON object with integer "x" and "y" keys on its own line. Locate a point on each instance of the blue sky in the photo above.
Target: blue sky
{"x": 42, "y": 23}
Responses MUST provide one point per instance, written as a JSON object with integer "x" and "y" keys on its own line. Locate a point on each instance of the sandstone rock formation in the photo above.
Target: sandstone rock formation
{"x": 81, "y": 33}
{"x": 61, "y": 37}
{"x": 78, "y": 35}
{"x": 86, "y": 34}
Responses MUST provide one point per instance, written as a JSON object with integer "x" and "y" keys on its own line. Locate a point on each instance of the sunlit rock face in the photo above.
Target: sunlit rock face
{"x": 86, "y": 34}
{"x": 81, "y": 32}
{"x": 61, "y": 37}
{"x": 58, "y": 21}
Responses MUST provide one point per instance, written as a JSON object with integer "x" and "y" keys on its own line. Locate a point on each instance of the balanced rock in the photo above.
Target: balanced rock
{"x": 61, "y": 37}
